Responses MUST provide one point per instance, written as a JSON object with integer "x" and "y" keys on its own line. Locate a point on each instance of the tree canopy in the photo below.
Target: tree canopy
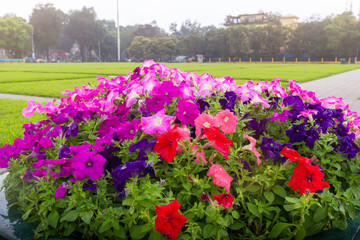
{"x": 47, "y": 22}
{"x": 15, "y": 36}
{"x": 84, "y": 28}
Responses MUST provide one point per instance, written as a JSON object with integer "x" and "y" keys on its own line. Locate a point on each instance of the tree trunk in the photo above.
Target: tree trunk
{"x": 83, "y": 52}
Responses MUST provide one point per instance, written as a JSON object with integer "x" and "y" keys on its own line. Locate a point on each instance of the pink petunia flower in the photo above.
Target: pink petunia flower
{"x": 204, "y": 121}
{"x": 221, "y": 177}
{"x": 200, "y": 156}
{"x": 29, "y": 111}
{"x": 157, "y": 124}
{"x": 251, "y": 147}
{"x": 227, "y": 121}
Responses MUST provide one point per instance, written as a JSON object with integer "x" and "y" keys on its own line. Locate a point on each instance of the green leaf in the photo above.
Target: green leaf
{"x": 277, "y": 229}
{"x": 26, "y": 215}
{"x": 253, "y": 189}
{"x": 121, "y": 233}
{"x": 292, "y": 200}
{"x": 320, "y": 214}
{"x": 269, "y": 196}
{"x": 279, "y": 190}
{"x": 339, "y": 223}
{"x": 253, "y": 209}
{"x": 237, "y": 225}
{"x": 106, "y": 225}
{"x": 53, "y": 219}
{"x": 70, "y": 216}
{"x": 86, "y": 216}
{"x": 139, "y": 232}
{"x": 70, "y": 229}
{"x": 155, "y": 235}
{"x": 235, "y": 214}
{"x": 209, "y": 231}
{"x": 292, "y": 207}
{"x": 301, "y": 234}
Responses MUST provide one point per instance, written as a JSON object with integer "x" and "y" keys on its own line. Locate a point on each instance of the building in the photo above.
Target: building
{"x": 261, "y": 19}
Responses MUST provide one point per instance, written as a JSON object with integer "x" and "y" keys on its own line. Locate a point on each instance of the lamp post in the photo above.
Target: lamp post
{"x": 33, "y": 47}
{"x": 118, "y": 29}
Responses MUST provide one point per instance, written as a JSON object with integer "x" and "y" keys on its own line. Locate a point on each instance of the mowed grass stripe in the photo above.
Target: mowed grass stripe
{"x": 49, "y": 79}
{"x": 9, "y": 77}
{"x": 45, "y": 88}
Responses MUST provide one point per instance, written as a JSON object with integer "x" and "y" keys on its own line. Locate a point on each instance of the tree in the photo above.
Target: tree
{"x": 343, "y": 35}
{"x": 47, "y": 22}
{"x": 309, "y": 38}
{"x": 149, "y": 31}
{"x": 139, "y": 47}
{"x": 239, "y": 42}
{"x": 85, "y": 29}
{"x": 15, "y": 35}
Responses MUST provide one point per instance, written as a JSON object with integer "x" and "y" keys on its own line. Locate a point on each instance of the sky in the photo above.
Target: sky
{"x": 206, "y": 12}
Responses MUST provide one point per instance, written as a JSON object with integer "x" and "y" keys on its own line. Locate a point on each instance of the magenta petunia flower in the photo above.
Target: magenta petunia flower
{"x": 169, "y": 91}
{"x": 187, "y": 112}
{"x": 280, "y": 116}
{"x": 88, "y": 164}
{"x": 227, "y": 121}
{"x": 156, "y": 124}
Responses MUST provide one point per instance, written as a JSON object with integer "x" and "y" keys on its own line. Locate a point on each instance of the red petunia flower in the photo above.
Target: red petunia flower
{"x": 307, "y": 177}
{"x": 225, "y": 199}
{"x": 218, "y": 141}
{"x": 293, "y": 155}
{"x": 167, "y": 143}
{"x": 169, "y": 221}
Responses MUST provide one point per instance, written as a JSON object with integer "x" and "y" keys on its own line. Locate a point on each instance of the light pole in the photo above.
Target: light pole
{"x": 33, "y": 47}
{"x": 118, "y": 29}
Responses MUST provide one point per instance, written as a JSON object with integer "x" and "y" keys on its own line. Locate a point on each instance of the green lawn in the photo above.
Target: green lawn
{"x": 49, "y": 79}
{"x": 12, "y": 120}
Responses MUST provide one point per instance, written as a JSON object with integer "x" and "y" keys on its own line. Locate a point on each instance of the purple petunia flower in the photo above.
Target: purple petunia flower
{"x": 259, "y": 127}
{"x": 131, "y": 170}
{"x": 271, "y": 149}
{"x": 202, "y": 104}
{"x": 347, "y": 146}
{"x": 229, "y": 102}
{"x": 324, "y": 119}
{"x": 313, "y": 134}
{"x": 88, "y": 164}
{"x": 89, "y": 185}
{"x": 187, "y": 112}
{"x": 143, "y": 144}
{"x": 296, "y": 133}
{"x": 64, "y": 151}
{"x": 296, "y": 104}
{"x": 70, "y": 130}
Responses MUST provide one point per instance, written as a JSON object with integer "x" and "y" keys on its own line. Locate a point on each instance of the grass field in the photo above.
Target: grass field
{"x": 12, "y": 120}
{"x": 49, "y": 79}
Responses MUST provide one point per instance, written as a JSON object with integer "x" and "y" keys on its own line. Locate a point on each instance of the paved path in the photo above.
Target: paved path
{"x": 25, "y": 97}
{"x": 345, "y": 85}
